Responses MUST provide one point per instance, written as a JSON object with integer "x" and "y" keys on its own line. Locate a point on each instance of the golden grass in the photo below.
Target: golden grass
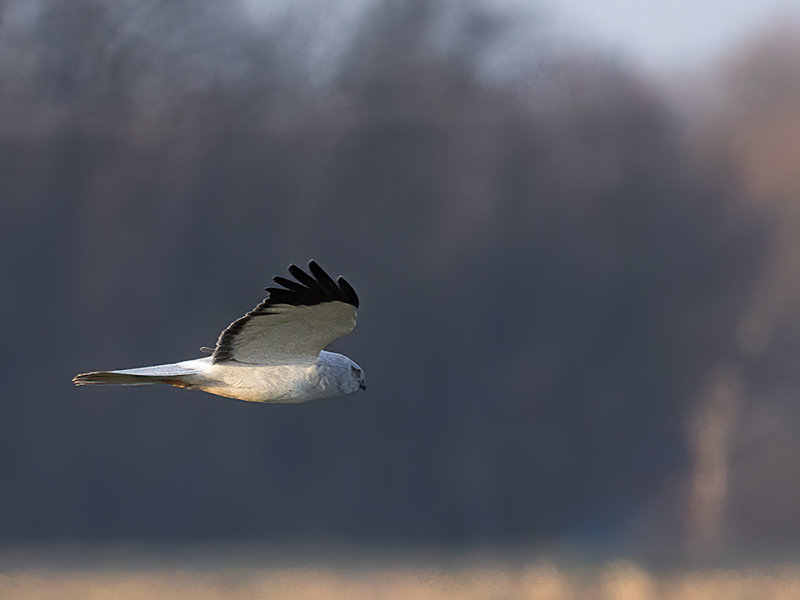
{"x": 542, "y": 581}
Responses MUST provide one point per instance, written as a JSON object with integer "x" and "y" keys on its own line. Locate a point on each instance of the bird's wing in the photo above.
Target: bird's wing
{"x": 294, "y": 323}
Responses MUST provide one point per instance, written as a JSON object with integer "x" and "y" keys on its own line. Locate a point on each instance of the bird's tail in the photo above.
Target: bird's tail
{"x": 173, "y": 374}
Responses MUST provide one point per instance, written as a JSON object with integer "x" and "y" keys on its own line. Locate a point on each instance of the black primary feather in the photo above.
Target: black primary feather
{"x": 287, "y": 283}
{"x": 308, "y": 290}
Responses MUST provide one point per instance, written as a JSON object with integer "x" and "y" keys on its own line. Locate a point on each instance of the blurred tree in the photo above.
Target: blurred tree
{"x": 548, "y": 278}
{"x": 753, "y": 119}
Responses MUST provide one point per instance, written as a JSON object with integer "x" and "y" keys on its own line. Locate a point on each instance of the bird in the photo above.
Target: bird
{"x": 274, "y": 353}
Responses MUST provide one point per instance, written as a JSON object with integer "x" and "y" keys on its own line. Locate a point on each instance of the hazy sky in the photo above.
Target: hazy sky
{"x": 657, "y": 33}
{"x": 665, "y": 33}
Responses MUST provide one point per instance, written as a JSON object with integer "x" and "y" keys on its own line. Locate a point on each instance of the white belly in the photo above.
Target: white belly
{"x": 256, "y": 383}
{"x": 290, "y": 383}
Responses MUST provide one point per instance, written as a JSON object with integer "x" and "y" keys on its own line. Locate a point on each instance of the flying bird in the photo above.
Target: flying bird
{"x": 274, "y": 353}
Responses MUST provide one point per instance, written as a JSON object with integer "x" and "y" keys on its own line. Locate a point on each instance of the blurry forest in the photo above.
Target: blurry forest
{"x": 559, "y": 271}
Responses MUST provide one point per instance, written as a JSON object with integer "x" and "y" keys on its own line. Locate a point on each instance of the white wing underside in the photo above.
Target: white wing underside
{"x": 289, "y": 334}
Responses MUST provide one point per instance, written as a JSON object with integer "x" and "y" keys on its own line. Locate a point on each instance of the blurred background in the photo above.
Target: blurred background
{"x": 575, "y": 232}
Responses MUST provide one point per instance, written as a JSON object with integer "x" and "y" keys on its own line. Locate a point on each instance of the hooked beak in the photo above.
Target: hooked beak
{"x": 362, "y": 386}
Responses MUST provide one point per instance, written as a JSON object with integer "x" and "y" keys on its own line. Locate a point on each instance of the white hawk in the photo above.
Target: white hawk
{"x": 274, "y": 353}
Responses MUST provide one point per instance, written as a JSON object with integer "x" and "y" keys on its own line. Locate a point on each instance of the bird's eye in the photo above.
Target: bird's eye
{"x": 354, "y": 370}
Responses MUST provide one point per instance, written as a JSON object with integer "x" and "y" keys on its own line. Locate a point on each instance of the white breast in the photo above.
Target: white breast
{"x": 289, "y": 383}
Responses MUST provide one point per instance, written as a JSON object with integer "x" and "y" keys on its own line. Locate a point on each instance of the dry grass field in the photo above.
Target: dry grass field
{"x": 540, "y": 580}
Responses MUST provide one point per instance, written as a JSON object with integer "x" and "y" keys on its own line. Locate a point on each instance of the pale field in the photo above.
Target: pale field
{"x": 620, "y": 580}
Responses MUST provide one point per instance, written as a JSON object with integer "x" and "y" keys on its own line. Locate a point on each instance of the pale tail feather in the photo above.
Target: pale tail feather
{"x": 166, "y": 374}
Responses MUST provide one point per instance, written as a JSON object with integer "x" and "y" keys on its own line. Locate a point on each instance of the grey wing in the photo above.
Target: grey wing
{"x": 294, "y": 323}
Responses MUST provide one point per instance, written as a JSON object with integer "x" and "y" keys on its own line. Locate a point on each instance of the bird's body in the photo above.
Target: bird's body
{"x": 272, "y": 354}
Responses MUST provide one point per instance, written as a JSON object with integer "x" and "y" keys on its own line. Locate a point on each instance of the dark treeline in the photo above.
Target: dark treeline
{"x": 548, "y": 276}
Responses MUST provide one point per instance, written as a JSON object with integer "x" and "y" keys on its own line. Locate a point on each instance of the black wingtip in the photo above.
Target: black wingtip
{"x": 349, "y": 292}
{"x": 323, "y": 279}
{"x": 289, "y": 284}
{"x": 309, "y": 289}
{"x": 303, "y": 277}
